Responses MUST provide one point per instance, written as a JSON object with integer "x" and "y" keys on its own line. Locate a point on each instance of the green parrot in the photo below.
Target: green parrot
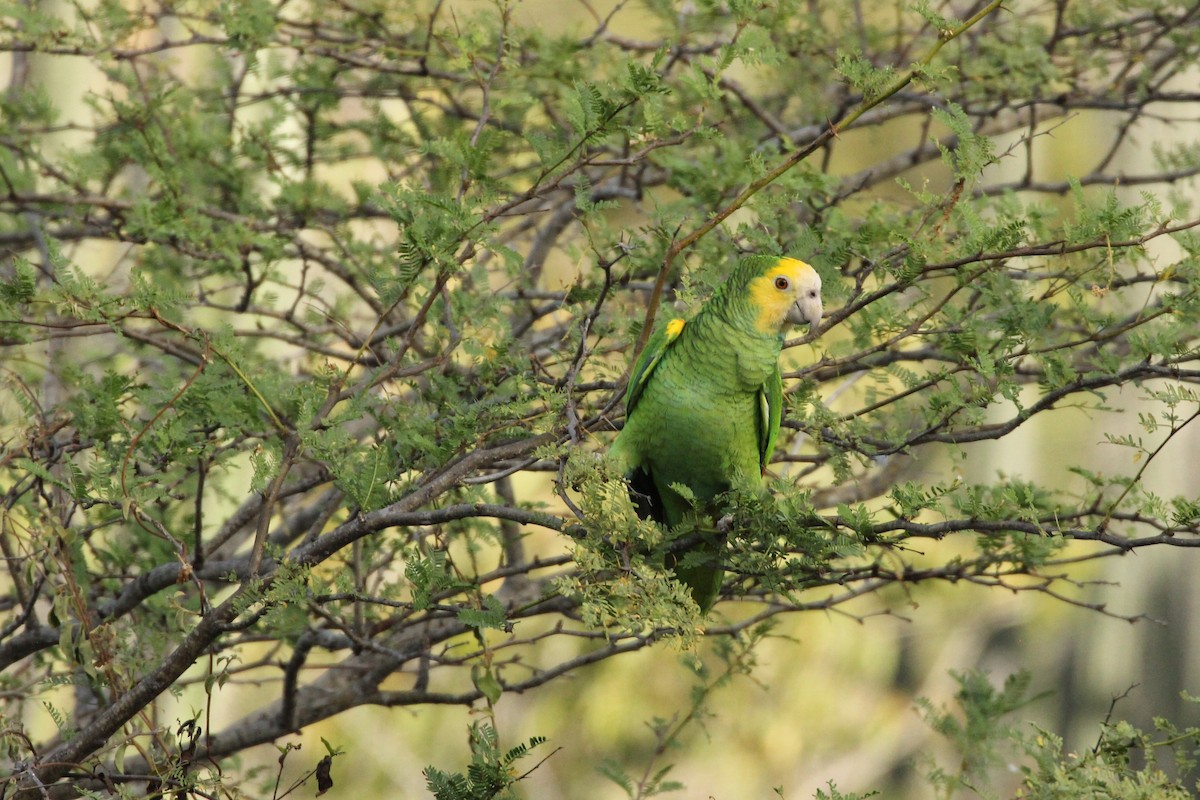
{"x": 704, "y": 403}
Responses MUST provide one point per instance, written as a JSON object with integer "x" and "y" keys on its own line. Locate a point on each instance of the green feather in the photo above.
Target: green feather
{"x": 770, "y": 416}
{"x": 648, "y": 360}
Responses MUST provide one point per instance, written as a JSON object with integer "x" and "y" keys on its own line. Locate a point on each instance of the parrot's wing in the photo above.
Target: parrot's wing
{"x": 770, "y": 414}
{"x": 648, "y": 360}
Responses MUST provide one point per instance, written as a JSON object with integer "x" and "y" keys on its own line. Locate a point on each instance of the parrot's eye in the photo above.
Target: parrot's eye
{"x": 782, "y": 283}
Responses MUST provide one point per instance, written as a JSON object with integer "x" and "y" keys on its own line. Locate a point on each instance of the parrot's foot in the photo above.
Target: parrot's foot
{"x": 725, "y": 524}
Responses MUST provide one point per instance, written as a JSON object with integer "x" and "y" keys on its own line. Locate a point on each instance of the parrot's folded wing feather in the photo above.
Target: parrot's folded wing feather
{"x": 770, "y": 403}
{"x": 648, "y": 360}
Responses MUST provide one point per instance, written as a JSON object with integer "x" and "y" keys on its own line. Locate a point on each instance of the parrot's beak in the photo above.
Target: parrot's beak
{"x": 806, "y": 309}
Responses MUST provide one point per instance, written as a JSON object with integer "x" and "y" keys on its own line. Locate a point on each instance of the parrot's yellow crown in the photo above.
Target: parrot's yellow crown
{"x": 788, "y": 284}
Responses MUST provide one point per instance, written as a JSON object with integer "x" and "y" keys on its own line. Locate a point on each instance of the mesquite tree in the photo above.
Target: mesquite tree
{"x": 315, "y": 319}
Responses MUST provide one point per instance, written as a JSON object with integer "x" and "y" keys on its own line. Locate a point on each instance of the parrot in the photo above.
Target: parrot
{"x": 704, "y": 403}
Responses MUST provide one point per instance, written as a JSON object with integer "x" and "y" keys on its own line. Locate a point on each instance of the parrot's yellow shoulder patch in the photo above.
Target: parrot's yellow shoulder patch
{"x": 773, "y": 292}
{"x": 653, "y": 353}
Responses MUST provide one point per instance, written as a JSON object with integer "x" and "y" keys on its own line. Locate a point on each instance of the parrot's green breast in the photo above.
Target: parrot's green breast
{"x": 698, "y": 422}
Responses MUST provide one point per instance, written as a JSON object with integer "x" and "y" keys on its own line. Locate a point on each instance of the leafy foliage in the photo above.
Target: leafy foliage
{"x": 315, "y": 319}
{"x": 1124, "y": 763}
{"x": 490, "y": 773}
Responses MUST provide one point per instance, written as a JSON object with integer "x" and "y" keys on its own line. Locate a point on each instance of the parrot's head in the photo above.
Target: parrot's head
{"x": 787, "y": 291}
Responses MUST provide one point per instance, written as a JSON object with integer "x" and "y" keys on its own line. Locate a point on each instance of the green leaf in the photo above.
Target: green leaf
{"x": 486, "y": 682}
{"x": 492, "y": 615}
